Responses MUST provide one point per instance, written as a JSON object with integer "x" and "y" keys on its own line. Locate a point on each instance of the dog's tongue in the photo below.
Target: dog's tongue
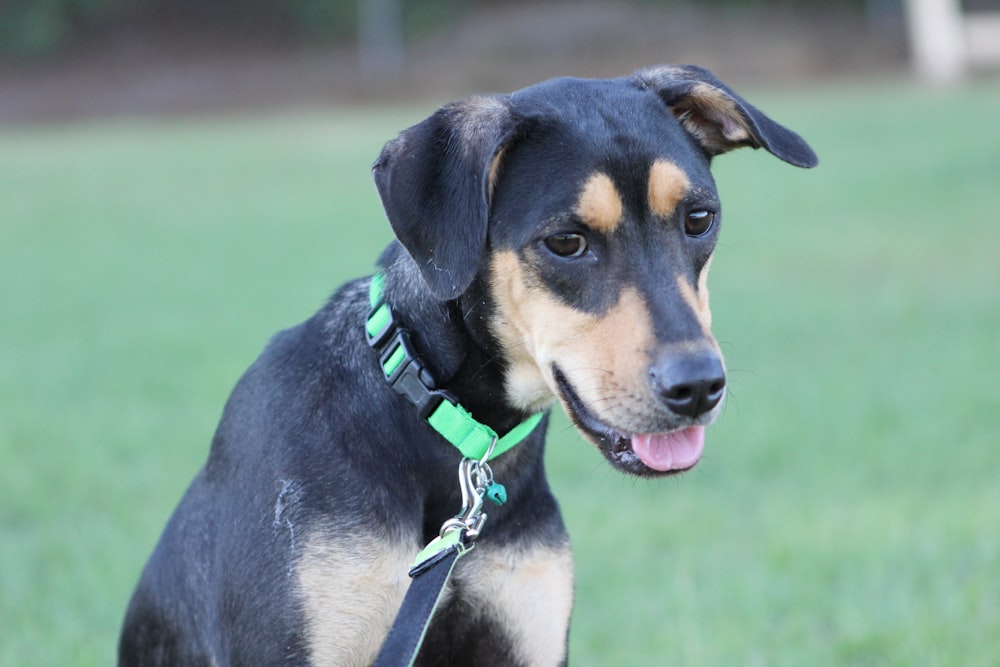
{"x": 670, "y": 451}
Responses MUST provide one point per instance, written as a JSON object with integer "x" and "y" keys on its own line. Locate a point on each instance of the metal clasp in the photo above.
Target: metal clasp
{"x": 474, "y": 478}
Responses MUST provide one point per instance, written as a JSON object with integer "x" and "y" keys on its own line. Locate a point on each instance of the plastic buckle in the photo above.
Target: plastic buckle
{"x": 410, "y": 378}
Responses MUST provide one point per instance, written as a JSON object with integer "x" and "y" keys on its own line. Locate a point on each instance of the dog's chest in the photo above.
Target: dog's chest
{"x": 504, "y": 605}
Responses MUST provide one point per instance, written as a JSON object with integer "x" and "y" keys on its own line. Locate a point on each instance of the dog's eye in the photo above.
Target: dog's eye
{"x": 567, "y": 245}
{"x": 699, "y": 222}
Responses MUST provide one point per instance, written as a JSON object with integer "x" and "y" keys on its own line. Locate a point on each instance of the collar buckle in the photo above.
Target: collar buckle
{"x": 409, "y": 377}
{"x": 403, "y": 370}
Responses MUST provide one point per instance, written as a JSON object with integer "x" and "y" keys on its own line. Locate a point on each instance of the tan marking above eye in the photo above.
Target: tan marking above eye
{"x": 668, "y": 185}
{"x": 600, "y": 205}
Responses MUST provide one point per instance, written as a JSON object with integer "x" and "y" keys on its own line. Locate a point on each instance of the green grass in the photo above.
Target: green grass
{"x": 848, "y": 508}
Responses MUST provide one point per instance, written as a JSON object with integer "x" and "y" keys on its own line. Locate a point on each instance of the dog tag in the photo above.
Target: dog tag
{"x": 497, "y": 493}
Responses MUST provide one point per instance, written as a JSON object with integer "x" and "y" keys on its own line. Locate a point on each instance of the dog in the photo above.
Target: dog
{"x": 552, "y": 246}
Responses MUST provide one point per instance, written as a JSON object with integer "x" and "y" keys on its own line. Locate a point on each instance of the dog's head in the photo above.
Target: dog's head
{"x": 589, "y": 209}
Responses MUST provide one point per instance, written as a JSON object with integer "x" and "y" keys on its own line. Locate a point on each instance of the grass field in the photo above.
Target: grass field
{"x": 848, "y": 508}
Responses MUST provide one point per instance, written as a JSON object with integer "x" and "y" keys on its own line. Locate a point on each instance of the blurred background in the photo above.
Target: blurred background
{"x": 181, "y": 179}
{"x": 67, "y": 58}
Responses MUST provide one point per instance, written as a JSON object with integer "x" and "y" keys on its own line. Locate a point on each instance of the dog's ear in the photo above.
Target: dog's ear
{"x": 719, "y": 119}
{"x": 436, "y": 180}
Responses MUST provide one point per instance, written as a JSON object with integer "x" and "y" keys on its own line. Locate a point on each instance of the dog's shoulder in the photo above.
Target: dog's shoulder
{"x": 308, "y": 366}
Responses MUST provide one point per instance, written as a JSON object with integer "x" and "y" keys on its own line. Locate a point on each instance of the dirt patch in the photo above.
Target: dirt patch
{"x": 147, "y": 71}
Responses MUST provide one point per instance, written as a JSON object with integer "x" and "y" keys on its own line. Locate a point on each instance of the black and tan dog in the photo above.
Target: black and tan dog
{"x": 553, "y": 244}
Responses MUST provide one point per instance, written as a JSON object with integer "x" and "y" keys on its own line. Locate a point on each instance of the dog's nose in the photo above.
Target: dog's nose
{"x": 689, "y": 384}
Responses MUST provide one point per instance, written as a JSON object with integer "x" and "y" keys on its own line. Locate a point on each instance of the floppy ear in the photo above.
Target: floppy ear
{"x": 435, "y": 181}
{"x": 719, "y": 119}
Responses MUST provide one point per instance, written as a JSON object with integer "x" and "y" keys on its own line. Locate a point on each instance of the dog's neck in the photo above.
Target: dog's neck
{"x": 453, "y": 339}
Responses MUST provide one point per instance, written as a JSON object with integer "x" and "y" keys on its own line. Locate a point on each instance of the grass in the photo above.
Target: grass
{"x": 847, "y": 511}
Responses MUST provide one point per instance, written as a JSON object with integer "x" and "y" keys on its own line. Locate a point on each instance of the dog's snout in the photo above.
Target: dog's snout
{"x": 689, "y": 384}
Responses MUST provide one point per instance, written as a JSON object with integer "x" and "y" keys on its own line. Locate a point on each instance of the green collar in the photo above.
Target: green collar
{"x": 407, "y": 374}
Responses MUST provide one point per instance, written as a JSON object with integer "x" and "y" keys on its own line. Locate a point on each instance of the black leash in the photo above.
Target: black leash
{"x": 433, "y": 567}
{"x": 430, "y": 577}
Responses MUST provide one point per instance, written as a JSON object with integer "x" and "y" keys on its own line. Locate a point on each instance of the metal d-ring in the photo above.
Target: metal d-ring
{"x": 489, "y": 451}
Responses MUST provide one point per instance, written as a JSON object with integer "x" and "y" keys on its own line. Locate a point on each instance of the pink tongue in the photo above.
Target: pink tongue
{"x": 670, "y": 451}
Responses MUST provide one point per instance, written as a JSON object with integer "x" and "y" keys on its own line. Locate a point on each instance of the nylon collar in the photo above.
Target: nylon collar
{"x": 408, "y": 375}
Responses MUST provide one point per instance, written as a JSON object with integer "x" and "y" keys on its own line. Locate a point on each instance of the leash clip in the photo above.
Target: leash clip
{"x": 471, "y": 480}
{"x": 460, "y": 532}
{"x": 475, "y": 479}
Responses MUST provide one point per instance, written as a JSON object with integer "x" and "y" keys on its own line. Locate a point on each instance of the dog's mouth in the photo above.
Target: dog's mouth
{"x": 643, "y": 454}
